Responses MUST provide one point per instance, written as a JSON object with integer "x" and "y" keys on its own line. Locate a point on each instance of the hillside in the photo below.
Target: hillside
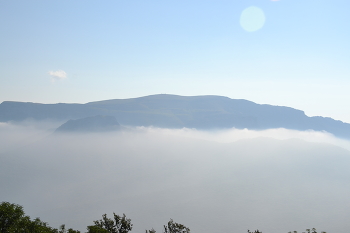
{"x": 90, "y": 124}
{"x": 172, "y": 111}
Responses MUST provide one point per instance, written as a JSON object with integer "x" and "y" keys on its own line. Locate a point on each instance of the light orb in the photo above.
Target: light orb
{"x": 252, "y": 19}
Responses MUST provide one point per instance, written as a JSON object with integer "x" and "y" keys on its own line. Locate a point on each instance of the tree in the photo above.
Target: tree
{"x": 313, "y": 230}
{"x": 14, "y": 220}
{"x": 256, "y": 231}
{"x": 33, "y": 226}
{"x": 62, "y": 229}
{"x": 10, "y": 216}
{"x": 151, "y": 231}
{"x": 96, "y": 229}
{"x": 174, "y": 227}
{"x": 107, "y": 225}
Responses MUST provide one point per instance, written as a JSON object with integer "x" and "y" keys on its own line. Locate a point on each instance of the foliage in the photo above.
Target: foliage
{"x": 14, "y": 220}
{"x": 256, "y": 231}
{"x": 96, "y": 229}
{"x": 10, "y": 216}
{"x": 33, "y": 226}
{"x": 151, "y": 231}
{"x": 107, "y": 225}
{"x": 313, "y": 230}
{"x": 62, "y": 229}
{"x": 174, "y": 227}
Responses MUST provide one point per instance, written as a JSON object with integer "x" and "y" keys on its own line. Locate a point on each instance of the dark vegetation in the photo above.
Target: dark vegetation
{"x": 313, "y": 230}
{"x": 14, "y": 220}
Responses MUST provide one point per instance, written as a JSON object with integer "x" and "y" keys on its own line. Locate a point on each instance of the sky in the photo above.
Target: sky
{"x": 289, "y": 52}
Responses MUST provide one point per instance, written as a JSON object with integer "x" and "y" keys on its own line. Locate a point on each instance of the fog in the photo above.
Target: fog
{"x": 211, "y": 181}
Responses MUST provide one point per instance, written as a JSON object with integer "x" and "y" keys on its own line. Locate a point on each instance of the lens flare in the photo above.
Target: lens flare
{"x": 252, "y": 19}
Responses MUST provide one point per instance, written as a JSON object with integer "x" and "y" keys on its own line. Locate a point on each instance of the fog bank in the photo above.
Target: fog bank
{"x": 219, "y": 181}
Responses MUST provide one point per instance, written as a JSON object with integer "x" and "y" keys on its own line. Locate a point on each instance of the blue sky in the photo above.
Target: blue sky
{"x": 96, "y": 50}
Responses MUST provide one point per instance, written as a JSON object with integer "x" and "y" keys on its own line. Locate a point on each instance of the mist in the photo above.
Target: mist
{"x": 231, "y": 180}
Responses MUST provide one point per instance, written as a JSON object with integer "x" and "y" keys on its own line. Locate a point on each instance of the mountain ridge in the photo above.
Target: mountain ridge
{"x": 173, "y": 111}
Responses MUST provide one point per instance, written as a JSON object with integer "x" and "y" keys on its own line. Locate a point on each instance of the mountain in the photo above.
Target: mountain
{"x": 172, "y": 111}
{"x": 90, "y": 124}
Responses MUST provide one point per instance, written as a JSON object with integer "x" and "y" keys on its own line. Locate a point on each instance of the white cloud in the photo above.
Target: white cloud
{"x": 57, "y": 75}
{"x": 153, "y": 174}
{"x": 233, "y": 135}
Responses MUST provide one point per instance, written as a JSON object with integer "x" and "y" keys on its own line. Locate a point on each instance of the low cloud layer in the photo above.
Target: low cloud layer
{"x": 222, "y": 181}
{"x": 233, "y": 135}
{"x": 57, "y": 75}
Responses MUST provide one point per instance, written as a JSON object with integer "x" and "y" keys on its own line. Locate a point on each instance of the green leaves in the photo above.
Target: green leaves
{"x": 62, "y": 229}
{"x": 117, "y": 225}
{"x": 14, "y": 220}
{"x": 313, "y": 230}
{"x": 174, "y": 227}
{"x": 10, "y": 216}
{"x": 96, "y": 229}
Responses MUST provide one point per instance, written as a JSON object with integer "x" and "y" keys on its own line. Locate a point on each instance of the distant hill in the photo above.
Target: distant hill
{"x": 90, "y": 124}
{"x": 172, "y": 111}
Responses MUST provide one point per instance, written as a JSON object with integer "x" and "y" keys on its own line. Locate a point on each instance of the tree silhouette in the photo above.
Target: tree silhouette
{"x": 108, "y": 225}
{"x": 313, "y": 230}
{"x": 151, "y": 231}
{"x": 14, "y": 220}
{"x": 256, "y": 231}
{"x": 174, "y": 227}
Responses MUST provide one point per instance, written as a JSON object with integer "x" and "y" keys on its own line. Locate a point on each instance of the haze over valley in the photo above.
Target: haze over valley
{"x": 212, "y": 180}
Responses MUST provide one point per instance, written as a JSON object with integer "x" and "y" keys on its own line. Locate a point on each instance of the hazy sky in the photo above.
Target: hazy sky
{"x": 288, "y": 52}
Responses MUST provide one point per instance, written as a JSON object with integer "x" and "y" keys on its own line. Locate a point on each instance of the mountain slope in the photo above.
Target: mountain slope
{"x": 172, "y": 111}
{"x": 90, "y": 124}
